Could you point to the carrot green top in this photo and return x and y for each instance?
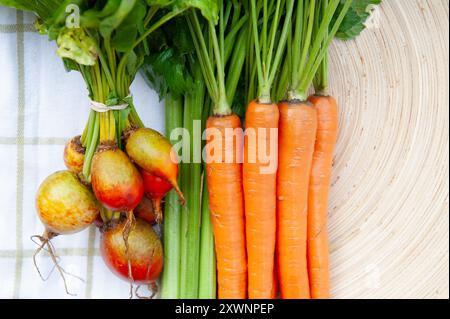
(267, 64)
(314, 28)
(213, 50)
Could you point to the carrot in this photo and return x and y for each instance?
(227, 211)
(260, 199)
(297, 131)
(318, 256)
(260, 176)
(312, 32)
(223, 161)
(327, 127)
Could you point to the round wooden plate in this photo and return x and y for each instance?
(389, 220)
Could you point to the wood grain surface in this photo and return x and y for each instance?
(389, 220)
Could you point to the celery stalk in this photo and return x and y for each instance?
(172, 213)
(190, 254)
(207, 280)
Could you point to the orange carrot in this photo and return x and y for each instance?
(260, 197)
(260, 176)
(312, 32)
(227, 209)
(318, 255)
(297, 132)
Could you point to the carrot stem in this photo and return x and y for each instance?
(222, 107)
(231, 36)
(266, 67)
(321, 79)
(282, 41)
(273, 33)
(257, 50)
(236, 64)
(315, 65)
(296, 42)
(202, 54)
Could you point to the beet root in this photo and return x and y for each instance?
(74, 155)
(141, 258)
(156, 188)
(145, 210)
(116, 182)
(153, 153)
(65, 205)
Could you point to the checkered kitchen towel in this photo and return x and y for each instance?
(41, 106)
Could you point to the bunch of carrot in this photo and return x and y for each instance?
(270, 219)
(267, 188)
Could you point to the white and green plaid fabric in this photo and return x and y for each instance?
(41, 106)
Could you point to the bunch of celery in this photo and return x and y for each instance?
(175, 71)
